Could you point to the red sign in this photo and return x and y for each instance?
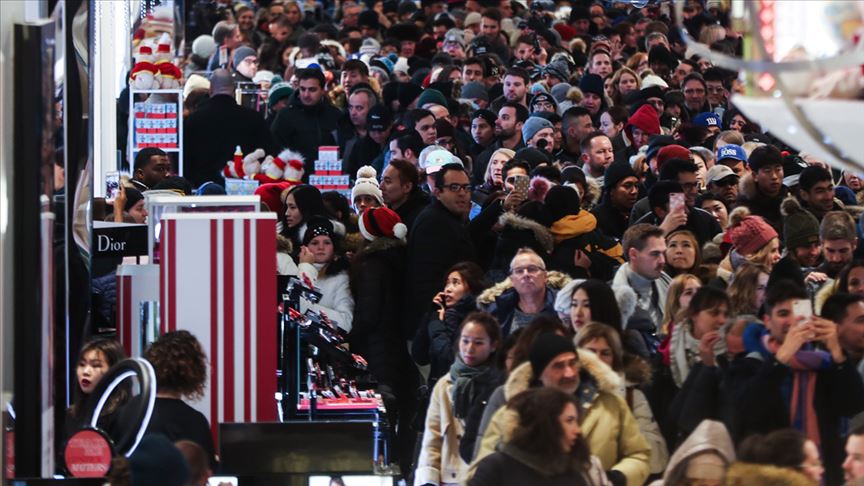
(88, 455)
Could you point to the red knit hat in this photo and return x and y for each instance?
(645, 119)
(670, 152)
(377, 222)
(751, 234)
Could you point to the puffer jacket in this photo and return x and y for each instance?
(746, 474)
(607, 424)
(501, 299)
(579, 232)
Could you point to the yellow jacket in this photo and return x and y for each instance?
(608, 425)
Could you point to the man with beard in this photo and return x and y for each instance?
(508, 133)
(839, 240)
(597, 155)
(515, 84)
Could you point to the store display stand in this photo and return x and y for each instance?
(157, 125)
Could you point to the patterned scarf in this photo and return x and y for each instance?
(805, 365)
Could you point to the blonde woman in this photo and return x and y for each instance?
(624, 82)
(753, 240)
(680, 292)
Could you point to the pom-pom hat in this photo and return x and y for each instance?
(367, 185)
(380, 222)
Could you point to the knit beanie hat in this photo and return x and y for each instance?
(157, 461)
(318, 226)
(431, 96)
(558, 69)
(204, 46)
(407, 93)
(615, 173)
(545, 348)
(132, 198)
(380, 222)
(800, 227)
(386, 63)
(561, 201)
(544, 96)
(443, 128)
(533, 125)
(241, 53)
(592, 83)
(749, 233)
(559, 91)
(532, 156)
(670, 152)
(645, 119)
(367, 185)
(486, 115)
(475, 90)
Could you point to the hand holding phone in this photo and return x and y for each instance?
(520, 184)
(802, 309)
(676, 202)
(112, 185)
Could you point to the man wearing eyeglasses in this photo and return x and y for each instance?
(438, 239)
(531, 293)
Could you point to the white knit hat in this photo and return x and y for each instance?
(367, 185)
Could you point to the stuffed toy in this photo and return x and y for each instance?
(288, 166)
(169, 73)
(244, 167)
(145, 74)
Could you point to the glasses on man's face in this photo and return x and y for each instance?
(458, 187)
(529, 269)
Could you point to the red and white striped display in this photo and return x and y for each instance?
(218, 281)
(135, 284)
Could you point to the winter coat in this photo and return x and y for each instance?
(579, 232)
(709, 436)
(438, 240)
(433, 343)
(649, 307)
(611, 222)
(336, 299)
(212, 133)
(440, 459)
(512, 466)
(606, 421)
(376, 282)
(746, 474)
(516, 232)
(410, 209)
(699, 222)
(761, 205)
(305, 128)
(636, 374)
(501, 300)
(758, 385)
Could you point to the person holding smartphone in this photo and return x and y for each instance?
(794, 373)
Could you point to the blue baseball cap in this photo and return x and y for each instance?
(731, 151)
(707, 119)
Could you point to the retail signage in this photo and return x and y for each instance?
(119, 239)
(88, 454)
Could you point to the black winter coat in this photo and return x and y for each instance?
(212, 134)
(438, 240)
(305, 128)
(434, 342)
(410, 209)
(376, 283)
(756, 388)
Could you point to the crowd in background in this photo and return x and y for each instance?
(566, 256)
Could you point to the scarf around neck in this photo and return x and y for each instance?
(467, 384)
(805, 365)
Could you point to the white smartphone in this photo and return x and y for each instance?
(222, 481)
(112, 185)
(803, 310)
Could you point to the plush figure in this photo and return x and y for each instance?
(169, 73)
(145, 74)
(244, 167)
(288, 165)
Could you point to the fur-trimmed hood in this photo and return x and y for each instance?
(541, 233)
(554, 280)
(605, 378)
(636, 370)
(379, 244)
(593, 191)
(743, 473)
(747, 189)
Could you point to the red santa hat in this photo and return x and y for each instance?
(271, 195)
(143, 66)
(377, 222)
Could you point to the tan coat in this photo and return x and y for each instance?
(609, 427)
(440, 462)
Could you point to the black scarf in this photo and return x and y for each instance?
(468, 384)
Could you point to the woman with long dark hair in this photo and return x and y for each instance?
(96, 357)
(545, 448)
(699, 337)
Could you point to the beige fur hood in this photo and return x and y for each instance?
(555, 280)
(607, 380)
